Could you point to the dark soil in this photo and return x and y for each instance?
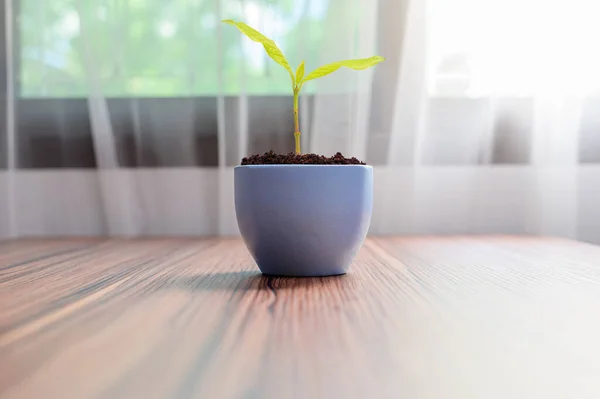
(270, 158)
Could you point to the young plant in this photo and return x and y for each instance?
(298, 79)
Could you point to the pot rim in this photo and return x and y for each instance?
(289, 166)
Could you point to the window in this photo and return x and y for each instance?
(141, 48)
(514, 47)
(160, 65)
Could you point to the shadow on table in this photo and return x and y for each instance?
(252, 281)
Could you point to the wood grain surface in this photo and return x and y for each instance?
(487, 317)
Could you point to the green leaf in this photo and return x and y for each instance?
(270, 47)
(362, 63)
(300, 72)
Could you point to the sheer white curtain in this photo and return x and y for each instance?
(483, 119)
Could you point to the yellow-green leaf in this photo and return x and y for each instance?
(270, 47)
(300, 72)
(362, 63)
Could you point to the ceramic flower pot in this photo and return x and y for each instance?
(303, 220)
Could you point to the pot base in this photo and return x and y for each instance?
(302, 276)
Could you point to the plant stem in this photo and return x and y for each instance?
(296, 124)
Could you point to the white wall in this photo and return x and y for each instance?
(191, 202)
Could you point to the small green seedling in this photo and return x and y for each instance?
(298, 79)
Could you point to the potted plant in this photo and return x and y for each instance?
(303, 214)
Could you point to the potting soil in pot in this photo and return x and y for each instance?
(303, 159)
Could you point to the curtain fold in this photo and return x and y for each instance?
(126, 118)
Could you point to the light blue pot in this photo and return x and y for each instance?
(303, 220)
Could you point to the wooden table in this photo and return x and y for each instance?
(492, 317)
